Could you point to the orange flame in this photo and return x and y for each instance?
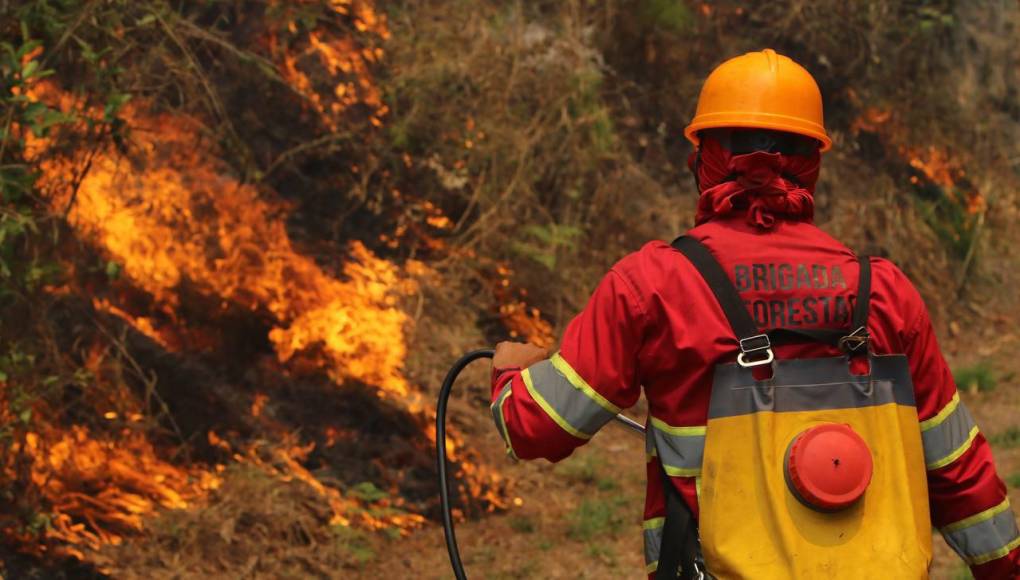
(948, 173)
(342, 59)
(100, 490)
(172, 215)
(285, 462)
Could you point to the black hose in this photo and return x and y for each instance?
(444, 484)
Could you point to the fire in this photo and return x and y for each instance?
(144, 324)
(932, 165)
(872, 119)
(521, 320)
(341, 57)
(167, 211)
(172, 215)
(286, 460)
(525, 322)
(938, 167)
(100, 490)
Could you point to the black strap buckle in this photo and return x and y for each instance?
(853, 342)
(753, 345)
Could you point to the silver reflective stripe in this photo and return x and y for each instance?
(985, 536)
(947, 435)
(497, 416)
(680, 449)
(810, 385)
(573, 409)
(653, 539)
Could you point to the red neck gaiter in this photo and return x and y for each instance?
(766, 185)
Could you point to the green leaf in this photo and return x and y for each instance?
(29, 70)
(367, 491)
(25, 416)
(114, 103)
(27, 47)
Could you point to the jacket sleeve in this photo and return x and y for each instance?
(968, 501)
(556, 405)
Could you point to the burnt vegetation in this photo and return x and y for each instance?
(240, 241)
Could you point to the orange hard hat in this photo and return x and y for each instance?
(761, 90)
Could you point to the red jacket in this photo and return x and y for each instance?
(653, 323)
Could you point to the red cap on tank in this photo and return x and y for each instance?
(828, 466)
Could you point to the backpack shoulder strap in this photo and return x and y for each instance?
(755, 347)
(680, 550)
(859, 338)
(757, 344)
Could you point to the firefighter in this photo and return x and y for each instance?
(799, 408)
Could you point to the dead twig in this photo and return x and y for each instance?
(148, 378)
(304, 147)
(962, 278)
(211, 94)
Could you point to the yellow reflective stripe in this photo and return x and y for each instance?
(679, 449)
(683, 431)
(977, 518)
(939, 418)
(649, 455)
(957, 452)
(502, 421)
(995, 555)
(652, 567)
(582, 385)
(526, 375)
(682, 471)
(653, 523)
(697, 488)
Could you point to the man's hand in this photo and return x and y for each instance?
(517, 354)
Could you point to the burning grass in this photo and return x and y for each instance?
(255, 524)
(100, 490)
(189, 249)
(172, 218)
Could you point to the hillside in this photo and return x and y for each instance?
(241, 242)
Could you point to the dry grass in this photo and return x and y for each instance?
(255, 526)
